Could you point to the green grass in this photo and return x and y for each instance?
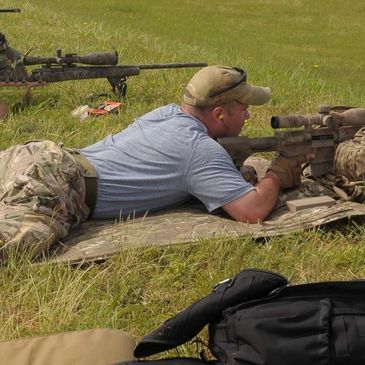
(309, 52)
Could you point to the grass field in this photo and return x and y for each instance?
(309, 53)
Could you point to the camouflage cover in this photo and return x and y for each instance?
(349, 159)
(96, 240)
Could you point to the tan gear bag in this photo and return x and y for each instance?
(349, 159)
(99, 346)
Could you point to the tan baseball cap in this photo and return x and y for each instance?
(216, 85)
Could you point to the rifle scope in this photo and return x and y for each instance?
(97, 58)
(295, 121)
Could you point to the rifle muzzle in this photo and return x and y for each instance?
(10, 10)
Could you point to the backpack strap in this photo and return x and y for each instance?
(247, 285)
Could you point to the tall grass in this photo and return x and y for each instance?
(138, 289)
(309, 52)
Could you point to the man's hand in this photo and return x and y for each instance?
(288, 170)
(249, 174)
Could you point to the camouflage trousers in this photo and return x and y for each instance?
(42, 196)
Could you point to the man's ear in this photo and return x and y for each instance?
(218, 113)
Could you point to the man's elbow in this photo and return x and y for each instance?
(251, 217)
(251, 207)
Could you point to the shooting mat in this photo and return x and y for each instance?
(95, 240)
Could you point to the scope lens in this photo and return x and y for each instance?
(275, 122)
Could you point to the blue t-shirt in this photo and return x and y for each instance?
(160, 160)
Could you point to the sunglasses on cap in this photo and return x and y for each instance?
(243, 78)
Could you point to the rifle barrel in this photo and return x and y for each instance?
(235, 145)
(11, 10)
(156, 66)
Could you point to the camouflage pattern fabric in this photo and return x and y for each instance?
(8, 57)
(349, 169)
(42, 196)
(188, 223)
(9, 69)
(350, 157)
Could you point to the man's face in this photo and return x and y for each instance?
(237, 114)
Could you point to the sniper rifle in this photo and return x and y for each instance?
(319, 135)
(75, 67)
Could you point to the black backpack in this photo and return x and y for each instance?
(256, 318)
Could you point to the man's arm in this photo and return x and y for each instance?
(256, 204)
